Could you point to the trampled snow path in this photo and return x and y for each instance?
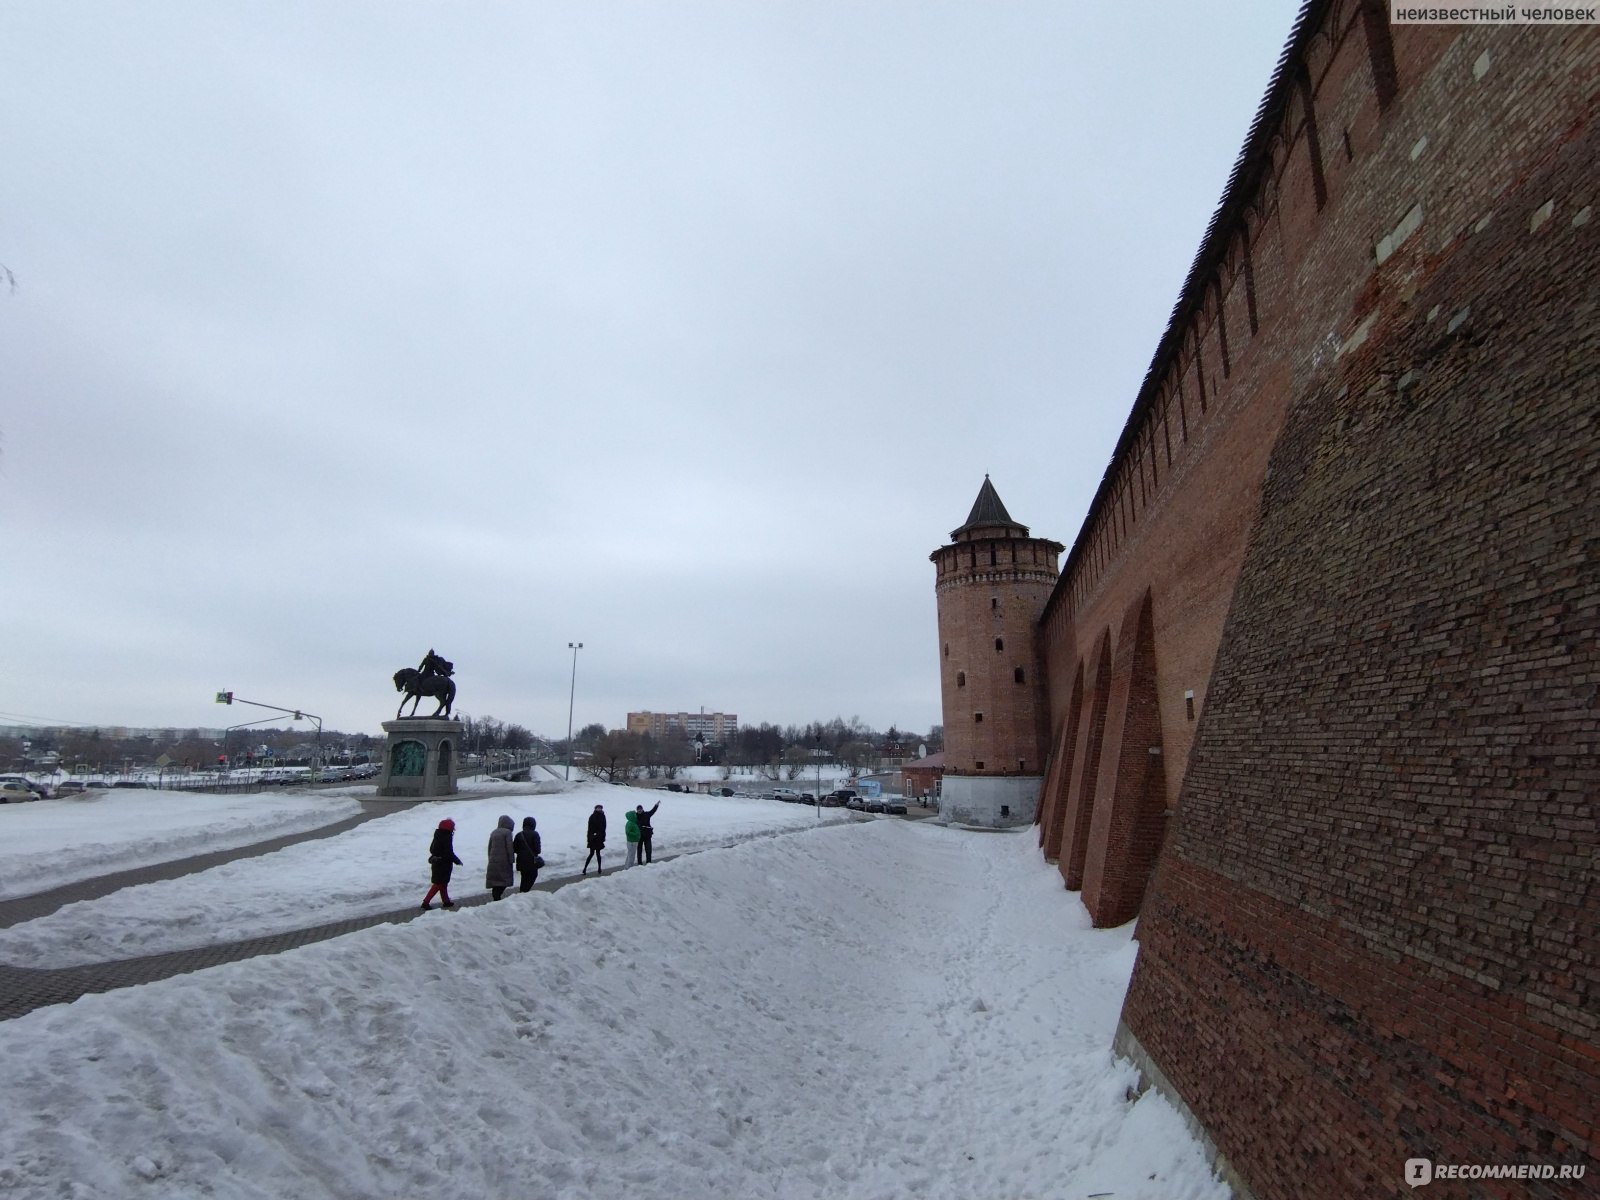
(880, 1010)
(377, 867)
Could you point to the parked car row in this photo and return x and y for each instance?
(840, 798)
(348, 774)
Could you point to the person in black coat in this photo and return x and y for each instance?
(442, 860)
(597, 840)
(645, 832)
(527, 846)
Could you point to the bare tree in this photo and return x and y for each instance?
(616, 756)
(794, 761)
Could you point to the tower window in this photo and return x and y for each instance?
(980, 764)
(977, 718)
(999, 643)
(1019, 675)
(994, 601)
(947, 649)
(961, 679)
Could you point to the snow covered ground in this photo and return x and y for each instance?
(50, 843)
(876, 1008)
(378, 867)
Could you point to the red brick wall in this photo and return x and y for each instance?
(1373, 931)
(982, 603)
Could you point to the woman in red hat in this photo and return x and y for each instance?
(442, 858)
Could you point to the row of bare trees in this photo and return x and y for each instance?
(768, 751)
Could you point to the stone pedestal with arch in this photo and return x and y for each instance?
(419, 760)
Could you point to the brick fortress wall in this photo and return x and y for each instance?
(1352, 513)
(991, 583)
(987, 614)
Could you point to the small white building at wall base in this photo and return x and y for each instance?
(992, 802)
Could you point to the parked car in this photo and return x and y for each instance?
(876, 805)
(843, 795)
(12, 792)
(132, 783)
(40, 791)
(787, 795)
(71, 787)
(726, 791)
(856, 802)
(896, 807)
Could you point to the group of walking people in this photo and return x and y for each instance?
(636, 831)
(522, 852)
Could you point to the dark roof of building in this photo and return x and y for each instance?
(988, 509)
(932, 762)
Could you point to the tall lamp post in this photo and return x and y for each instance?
(298, 714)
(816, 754)
(571, 695)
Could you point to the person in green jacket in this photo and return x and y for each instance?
(630, 829)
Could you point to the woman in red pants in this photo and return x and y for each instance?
(442, 858)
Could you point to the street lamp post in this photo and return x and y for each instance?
(571, 696)
(297, 713)
(816, 754)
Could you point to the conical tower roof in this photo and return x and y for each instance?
(989, 512)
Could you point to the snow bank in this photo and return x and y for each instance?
(877, 1009)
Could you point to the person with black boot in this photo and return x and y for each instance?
(527, 846)
(597, 840)
(645, 832)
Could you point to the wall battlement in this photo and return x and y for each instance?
(1322, 660)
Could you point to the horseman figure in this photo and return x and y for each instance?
(432, 678)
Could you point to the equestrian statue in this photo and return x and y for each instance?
(432, 678)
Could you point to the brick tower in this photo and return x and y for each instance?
(993, 581)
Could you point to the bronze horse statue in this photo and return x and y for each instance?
(416, 685)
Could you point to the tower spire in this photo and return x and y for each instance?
(989, 512)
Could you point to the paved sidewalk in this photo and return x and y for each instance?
(41, 904)
(23, 989)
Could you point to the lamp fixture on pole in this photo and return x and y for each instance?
(299, 714)
(571, 695)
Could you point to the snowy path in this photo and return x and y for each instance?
(880, 1010)
(378, 867)
(50, 843)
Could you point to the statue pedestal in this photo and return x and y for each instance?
(419, 760)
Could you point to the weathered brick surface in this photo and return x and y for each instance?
(990, 590)
(1358, 490)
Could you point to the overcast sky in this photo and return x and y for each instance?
(686, 330)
